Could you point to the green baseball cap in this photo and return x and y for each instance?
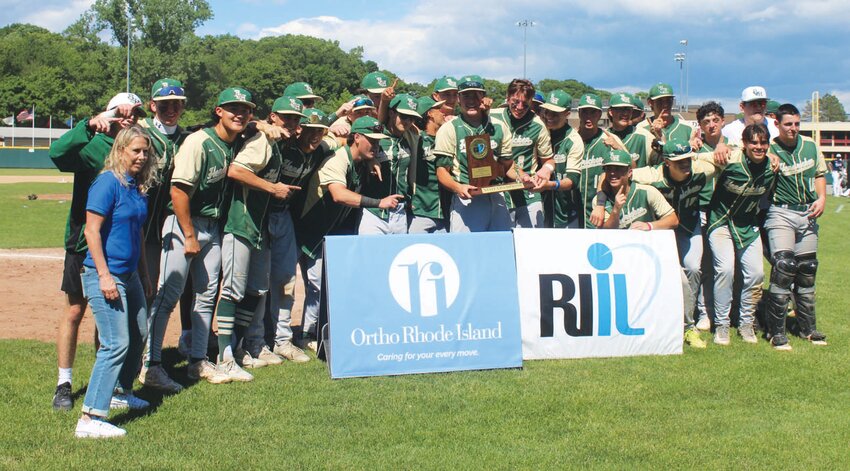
(362, 102)
(405, 104)
(288, 105)
(469, 83)
(772, 106)
(375, 82)
(617, 157)
(369, 127)
(314, 118)
(621, 100)
(677, 149)
(638, 103)
(445, 83)
(168, 89)
(235, 95)
(426, 104)
(301, 90)
(660, 90)
(590, 100)
(557, 101)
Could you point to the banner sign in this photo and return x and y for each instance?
(421, 303)
(598, 293)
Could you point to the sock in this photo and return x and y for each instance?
(64, 376)
(224, 314)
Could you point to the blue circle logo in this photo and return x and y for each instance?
(600, 256)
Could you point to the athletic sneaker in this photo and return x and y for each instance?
(291, 352)
(128, 401)
(62, 397)
(155, 377)
(184, 345)
(704, 323)
(816, 338)
(209, 372)
(308, 342)
(693, 339)
(780, 342)
(748, 335)
(96, 427)
(269, 357)
(721, 335)
(246, 360)
(234, 372)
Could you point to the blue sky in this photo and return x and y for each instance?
(792, 48)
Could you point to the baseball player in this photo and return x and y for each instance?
(637, 139)
(424, 191)
(561, 204)
(663, 124)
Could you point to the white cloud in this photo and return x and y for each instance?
(51, 14)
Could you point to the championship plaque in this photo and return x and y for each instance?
(484, 171)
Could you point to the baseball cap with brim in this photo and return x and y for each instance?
(375, 82)
(445, 83)
(426, 103)
(469, 83)
(369, 127)
(362, 102)
(660, 90)
(590, 100)
(405, 104)
(638, 103)
(677, 149)
(772, 106)
(618, 158)
(288, 105)
(538, 98)
(235, 95)
(125, 98)
(301, 90)
(314, 118)
(621, 100)
(168, 89)
(753, 94)
(557, 101)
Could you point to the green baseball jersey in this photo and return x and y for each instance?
(683, 196)
(643, 203)
(320, 215)
(164, 148)
(247, 215)
(706, 154)
(425, 189)
(530, 143)
(736, 197)
(201, 164)
(395, 157)
(676, 129)
(568, 152)
(297, 168)
(82, 152)
(798, 168)
(638, 142)
(450, 145)
(586, 177)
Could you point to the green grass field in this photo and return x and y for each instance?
(738, 407)
(37, 223)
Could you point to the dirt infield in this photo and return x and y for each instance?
(29, 286)
(69, 178)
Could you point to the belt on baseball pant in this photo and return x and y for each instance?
(793, 207)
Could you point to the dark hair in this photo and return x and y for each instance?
(709, 108)
(521, 85)
(786, 109)
(755, 130)
(350, 139)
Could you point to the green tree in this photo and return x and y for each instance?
(831, 109)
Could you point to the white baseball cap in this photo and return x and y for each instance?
(126, 99)
(753, 94)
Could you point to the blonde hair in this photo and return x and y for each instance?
(115, 161)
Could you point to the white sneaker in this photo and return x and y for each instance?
(205, 370)
(155, 377)
(747, 333)
(245, 360)
(704, 323)
(184, 345)
(269, 357)
(234, 372)
(95, 427)
(291, 352)
(128, 401)
(721, 335)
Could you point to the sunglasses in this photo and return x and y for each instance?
(467, 85)
(364, 102)
(171, 91)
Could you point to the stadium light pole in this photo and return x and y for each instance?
(524, 24)
(684, 42)
(680, 58)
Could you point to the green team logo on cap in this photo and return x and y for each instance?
(618, 157)
(411, 103)
(381, 81)
(295, 104)
(451, 82)
(240, 95)
(676, 149)
(589, 100)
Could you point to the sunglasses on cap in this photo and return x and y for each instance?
(364, 102)
(171, 91)
(468, 85)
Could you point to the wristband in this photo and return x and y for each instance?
(650, 225)
(366, 202)
(601, 198)
(557, 185)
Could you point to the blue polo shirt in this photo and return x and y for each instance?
(124, 210)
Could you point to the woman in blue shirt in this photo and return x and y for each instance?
(115, 212)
